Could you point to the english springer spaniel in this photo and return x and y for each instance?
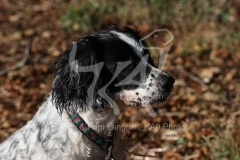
(94, 79)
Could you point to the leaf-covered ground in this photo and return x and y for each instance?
(200, 119)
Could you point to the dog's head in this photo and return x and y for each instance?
(108, 65)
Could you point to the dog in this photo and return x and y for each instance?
(94, 79)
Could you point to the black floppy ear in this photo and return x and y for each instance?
(78, 74)
(69, 86)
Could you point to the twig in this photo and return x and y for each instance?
(230, 121)
(196, 79)
(193, 77)
(194, 156)
(170, 114)
(163, 149)
(20, 64)
(38, 60)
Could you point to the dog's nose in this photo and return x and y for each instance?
(166, 80)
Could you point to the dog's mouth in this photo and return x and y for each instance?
(149, 99)
(161, 98)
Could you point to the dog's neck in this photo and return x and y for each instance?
(59, 131)
(101, 122)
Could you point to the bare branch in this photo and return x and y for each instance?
(20, 64)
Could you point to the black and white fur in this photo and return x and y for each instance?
(52, 135)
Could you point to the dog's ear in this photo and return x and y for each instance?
(76, 77)
(70, 85)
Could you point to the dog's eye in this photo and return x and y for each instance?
(137, 77)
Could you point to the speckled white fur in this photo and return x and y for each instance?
(51, 137)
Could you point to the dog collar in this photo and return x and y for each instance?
(90, 133)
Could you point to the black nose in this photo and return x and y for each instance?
(166, 80)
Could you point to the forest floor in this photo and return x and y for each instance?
(199, 120)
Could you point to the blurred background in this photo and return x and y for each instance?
(200, 119)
